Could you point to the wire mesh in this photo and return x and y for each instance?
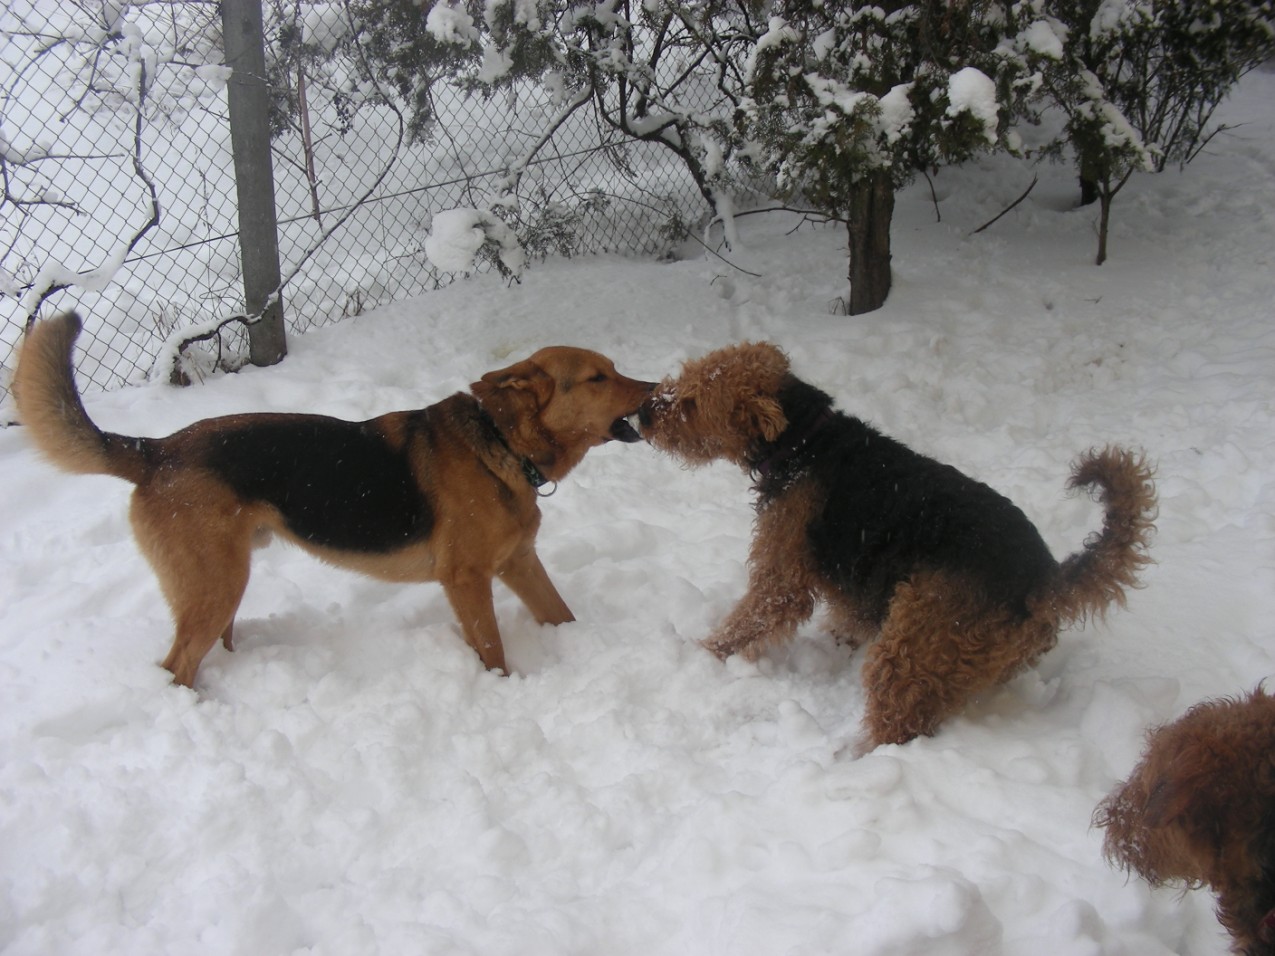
(112, 116)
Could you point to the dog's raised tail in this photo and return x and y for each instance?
(49, 406)
(1099, 575)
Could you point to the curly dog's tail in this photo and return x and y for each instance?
(49, 405)
(1098, 575)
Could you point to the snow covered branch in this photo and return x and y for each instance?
(86, 71)
(53, 276)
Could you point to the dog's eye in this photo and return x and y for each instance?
(600, 377)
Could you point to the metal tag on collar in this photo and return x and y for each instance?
(536, 478)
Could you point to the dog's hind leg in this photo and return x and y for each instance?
(202, 619)
(527, 578)
(199, 544)
(261, 537)
(939, 646)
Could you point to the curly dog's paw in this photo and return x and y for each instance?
(720, 646)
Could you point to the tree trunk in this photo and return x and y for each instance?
(1089, 170)
(1104, 220)
(1089, 192)
(871, 210)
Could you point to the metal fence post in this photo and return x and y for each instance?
(249, 103)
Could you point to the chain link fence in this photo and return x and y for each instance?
(119, 184)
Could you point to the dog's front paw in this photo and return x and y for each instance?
(721, 647)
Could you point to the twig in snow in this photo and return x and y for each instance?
(1007, 208)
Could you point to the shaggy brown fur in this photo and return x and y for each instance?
(953, 580)
(1200, 808)
(445, 493)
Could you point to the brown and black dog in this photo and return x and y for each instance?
(1200, 809)
(445, 493)
(951, 579)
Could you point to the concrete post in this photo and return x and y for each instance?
(249, 103)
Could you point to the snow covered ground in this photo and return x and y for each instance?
(351, 781)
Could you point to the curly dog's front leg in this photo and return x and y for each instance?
(781, 584)
(764, 617)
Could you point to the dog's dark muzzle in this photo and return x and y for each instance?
(622, 428)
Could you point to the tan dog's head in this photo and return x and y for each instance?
(1200, 808)
(556, 405)
(720, 405)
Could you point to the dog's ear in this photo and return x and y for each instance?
(515, 395)
(766, 417)
(525, 377)
(1188, 790)
(1168, 801)
(772, 358)
(521, 376)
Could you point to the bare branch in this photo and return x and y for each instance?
(934, 197)
(139, 170)
(714, 252)
(1003, 212)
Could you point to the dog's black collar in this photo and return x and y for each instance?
(535, 477)
(794, 438)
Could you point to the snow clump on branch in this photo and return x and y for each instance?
(970, 90)
(451, 24)
(458, 237)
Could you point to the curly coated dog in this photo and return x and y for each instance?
(1200, 808)
(955, 582)
(445, 493)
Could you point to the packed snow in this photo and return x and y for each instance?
(350, 780)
